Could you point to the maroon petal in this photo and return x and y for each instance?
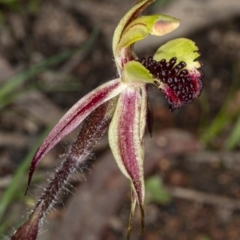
(74, 117)
(126, 138)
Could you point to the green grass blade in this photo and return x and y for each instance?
(21, 173)
(234, 137)
(224, 117)
(216, 126)
(6, 91)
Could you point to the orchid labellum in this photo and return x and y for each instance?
(121, 105)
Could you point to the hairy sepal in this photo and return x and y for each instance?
(75, 116)
(126, 133)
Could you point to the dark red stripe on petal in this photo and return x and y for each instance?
(126, 136)
(127, 143)
(74, 117)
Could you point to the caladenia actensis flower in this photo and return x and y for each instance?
(121, 106)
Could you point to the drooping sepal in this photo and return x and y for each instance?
(132, 211)
(134, 199)
(75, 116)
(126, 137)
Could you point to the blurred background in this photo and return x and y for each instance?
(53, 52)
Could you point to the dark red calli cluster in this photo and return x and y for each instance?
(180, 86)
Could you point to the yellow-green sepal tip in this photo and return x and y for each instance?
(141, 27)
(132, 14)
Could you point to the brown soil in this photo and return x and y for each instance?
(209, 210)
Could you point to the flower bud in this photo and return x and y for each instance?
(29, 230)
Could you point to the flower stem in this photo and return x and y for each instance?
(90, 133)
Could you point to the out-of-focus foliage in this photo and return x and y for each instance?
(227, 121)
(155, 191)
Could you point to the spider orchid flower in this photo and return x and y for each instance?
(121, 105)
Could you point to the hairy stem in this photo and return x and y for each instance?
(90, 133)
